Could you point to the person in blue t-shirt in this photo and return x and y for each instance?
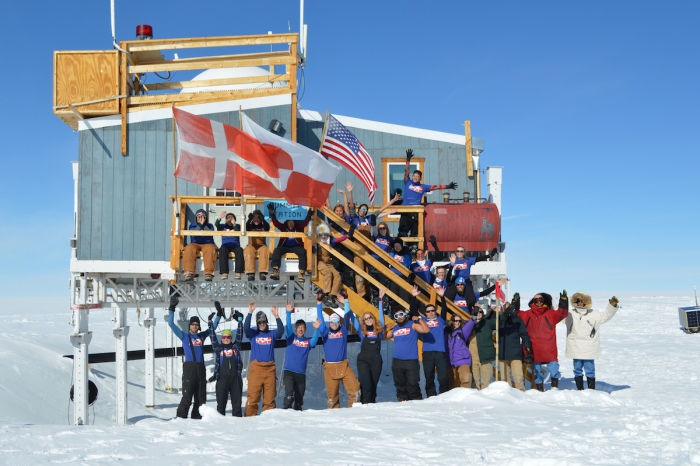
(405, 365)
(335, 346)
(421, 267)
(229, 244)
(194, 377)
(296, 358)
(434, 357)
(205, 244)
(460, 267)
(262, 373)
(413, 192)
(289, 245)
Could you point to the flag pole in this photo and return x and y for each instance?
(240, 120)
(174, 149)
(325, 128)
(498, 366)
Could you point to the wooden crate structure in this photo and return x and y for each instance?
(85, 84)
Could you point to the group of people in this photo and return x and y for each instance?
(458, 352)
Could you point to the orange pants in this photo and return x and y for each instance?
(262, 378)
(263, 258)
(331, 278)
(335, 373)
(189, 257)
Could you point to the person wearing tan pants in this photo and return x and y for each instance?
(197, 244)
(514, 369)
(335, 346)
(262, 376)
(479, 371)
(257, 246)
(332, 284)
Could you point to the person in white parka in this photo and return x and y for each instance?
(583, 336)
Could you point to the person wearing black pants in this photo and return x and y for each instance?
(405, 365)
(229, 382)
(194, 378)
(369, 359)
(229, 244)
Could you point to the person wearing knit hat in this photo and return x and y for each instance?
(229, 382)
(296, 359)
(583, 336)
(262, 373)
(257, 247)
(229, 244)
(194, 382)
(205, 244)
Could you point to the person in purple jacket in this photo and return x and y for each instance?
(335, 346)
(405, 365)
(296, 359)
(262, 373)
(434, 357)
(456, 341)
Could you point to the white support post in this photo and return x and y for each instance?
(121, 331)
(169, 361)
(494, 180)
(150, 322)
(80, 339)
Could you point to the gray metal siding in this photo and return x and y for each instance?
(124, 203)
(444, 162)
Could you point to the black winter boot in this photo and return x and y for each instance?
(539, 386)
(591, 383)
(579, 382)
(555, 383)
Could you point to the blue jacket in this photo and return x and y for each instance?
(196, 339)
(297, 355)
(202, 239)
(262, 344)
(225, 356)
(228, 241)
(335, 344)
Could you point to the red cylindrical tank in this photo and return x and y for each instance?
(477, 227)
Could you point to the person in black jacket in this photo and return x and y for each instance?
(512, 331)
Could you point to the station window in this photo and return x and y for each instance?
(227, 192)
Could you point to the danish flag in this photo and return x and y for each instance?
(254, 161)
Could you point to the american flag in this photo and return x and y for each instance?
(341, 145)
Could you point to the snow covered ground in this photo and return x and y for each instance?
(645, 410)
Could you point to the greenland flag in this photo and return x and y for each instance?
(254, 162)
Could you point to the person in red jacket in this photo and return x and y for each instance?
(540, 322)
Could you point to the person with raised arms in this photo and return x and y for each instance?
(194, 375)
(262, 376)
(296, 359)
(369, 359)
(228, 365)
(335, 346)
(405, 365)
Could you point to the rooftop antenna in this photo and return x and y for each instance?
(302, 34)
(114, 35)
(696, 296)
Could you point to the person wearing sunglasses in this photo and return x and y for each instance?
(335, 346)
(512, 338)
(404, 365)
(262, 372)
(369, 359)
(296, 359)
(540, 321)
(330, 277)
(434, 356)
(459, 358)
(228, 365)
(194, 377)
(205, 244)
(413, 192)
(460, 267)
(583, 336)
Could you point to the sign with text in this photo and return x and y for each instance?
(286, 211)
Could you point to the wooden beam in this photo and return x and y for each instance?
(76, 112)
(202, 96)
(216, 82)
(205, 42)
(222, 61)
(468, 148)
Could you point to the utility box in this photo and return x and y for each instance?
(690, 318)
(85, 76)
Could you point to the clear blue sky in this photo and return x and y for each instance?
(593, 109)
